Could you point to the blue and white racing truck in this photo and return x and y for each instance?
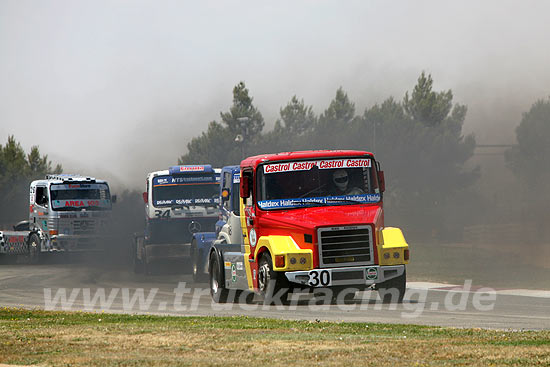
(228, 228)
(67, 213)
(179, 202)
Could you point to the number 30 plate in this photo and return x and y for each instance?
(320, 278)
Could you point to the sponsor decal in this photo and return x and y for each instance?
(371, 273)
(236, 178)
(233, 273)
(240, 266)
(191, 168)
(327, 200)
(184, 180)
(179, 170)
(81, 203)
(16, 239)
(73, 186)
(227, 265)
(163, 202)
(189, 202)
(323, 164)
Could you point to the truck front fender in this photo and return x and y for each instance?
(392, 247)
(295, 258)
(204, 240)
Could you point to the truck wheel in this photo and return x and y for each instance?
(217, 289)
(393, 290)
(34, 249)
(196, 258)
(271, 283)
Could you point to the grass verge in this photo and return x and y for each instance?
(92, 339)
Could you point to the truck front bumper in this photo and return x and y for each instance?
(357, 275)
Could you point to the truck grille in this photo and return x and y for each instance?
(345, 246)
(84, 226)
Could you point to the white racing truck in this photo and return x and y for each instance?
(179, 202)
(67, 213)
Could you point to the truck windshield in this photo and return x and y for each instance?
(186, 190)
(77, 196)
(315, 183)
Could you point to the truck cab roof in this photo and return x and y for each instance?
(194, 169)
(66, 178)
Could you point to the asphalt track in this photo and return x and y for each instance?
(118, 290)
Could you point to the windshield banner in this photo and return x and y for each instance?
(324, 164)
(325, 200)
(79, 186)
(84, 203)
(183, 180)
(187, 202)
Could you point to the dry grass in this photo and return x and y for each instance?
(84, 339)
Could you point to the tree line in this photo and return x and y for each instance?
(418, 138)
(17, 170)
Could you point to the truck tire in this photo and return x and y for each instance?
(197, 264)
(34, 249)
(217, 288)
(393, 290)
(271, 283)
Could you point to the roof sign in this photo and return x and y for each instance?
(175, 170)
(322, 164)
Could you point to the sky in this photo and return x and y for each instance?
(117, 89)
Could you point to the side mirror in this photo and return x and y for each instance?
(225, 194)
(381, 181)
(245, 186)
(145, 198)
(113, 199)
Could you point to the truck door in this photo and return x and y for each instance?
(247, 225)
(39, 216)
(231, 209)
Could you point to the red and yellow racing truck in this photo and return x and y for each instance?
(310, 219)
